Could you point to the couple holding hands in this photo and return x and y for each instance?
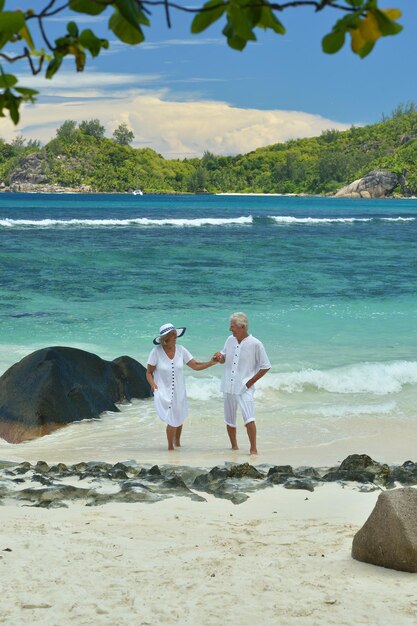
(245, 361)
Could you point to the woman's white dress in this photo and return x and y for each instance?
(170, 397)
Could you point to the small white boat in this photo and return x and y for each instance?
(138, 192)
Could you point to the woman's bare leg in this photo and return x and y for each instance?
(177, 438)
(170, 436)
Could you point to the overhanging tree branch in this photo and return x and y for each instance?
(363, 21)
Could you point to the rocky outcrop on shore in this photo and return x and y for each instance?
(96, 483)
(31, 176)
(58, 385)
(376, 184)
(25, 187)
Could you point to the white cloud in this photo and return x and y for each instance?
(175, 128)
(152, 45)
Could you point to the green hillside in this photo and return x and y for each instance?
(77, 156)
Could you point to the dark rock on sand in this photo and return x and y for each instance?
(303, 478)
(405, 474)
(359, 468)
(56, 386)
(389, 536)
(98, 482)
(299, 483)
(349, 475)
(230, 483)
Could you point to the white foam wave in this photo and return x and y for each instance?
(398, 219)
(362, 378)
(288, 219)
(139, 221)
(374, 378)
(203, 388)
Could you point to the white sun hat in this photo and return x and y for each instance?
(167, 328)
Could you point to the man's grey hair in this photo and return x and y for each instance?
(240, 319)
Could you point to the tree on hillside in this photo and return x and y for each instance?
(123, 135)
(363, 21)
(92, 128)
(67, 130)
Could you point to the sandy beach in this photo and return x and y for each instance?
(282, 557)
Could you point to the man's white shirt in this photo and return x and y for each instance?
(242, 361)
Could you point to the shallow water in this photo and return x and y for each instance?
(329, 286)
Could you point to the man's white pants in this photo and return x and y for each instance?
(246, 403)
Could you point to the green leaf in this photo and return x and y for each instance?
(25, 34)
(269, 20)
(233, 40)
(86, 6)
(2, 3)
(124, 30)
(204, 19)
(7, 81)
(238, 19)
(72, 29)
(366, 49)
(131, 12)
(27, 93)
(80, 57)
(12, 103)
(92, 43)
(333, 42)
(54, 65)
(11, 21)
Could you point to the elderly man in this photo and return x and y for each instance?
(246, 362)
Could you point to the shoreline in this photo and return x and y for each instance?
(75, 191)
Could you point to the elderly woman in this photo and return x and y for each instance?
(165, 374)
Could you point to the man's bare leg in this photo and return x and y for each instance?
(232, 436)
(177, 438)
(251, 430)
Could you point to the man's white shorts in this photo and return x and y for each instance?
(246, 403)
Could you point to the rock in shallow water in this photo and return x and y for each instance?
(55, 386)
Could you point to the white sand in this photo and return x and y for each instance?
(281, 558)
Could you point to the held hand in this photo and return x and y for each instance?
(154, 388)
(218, 357)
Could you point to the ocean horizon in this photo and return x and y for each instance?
(328, 285)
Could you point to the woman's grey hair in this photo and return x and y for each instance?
(164, 338)
(240, 319)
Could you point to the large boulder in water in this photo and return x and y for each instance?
(55, 386)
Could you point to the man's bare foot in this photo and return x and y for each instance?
(171, 448)
(177, 444)
(254, 451)
(235, 448)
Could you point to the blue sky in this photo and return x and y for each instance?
(183, 94)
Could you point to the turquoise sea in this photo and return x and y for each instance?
(329, 286)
